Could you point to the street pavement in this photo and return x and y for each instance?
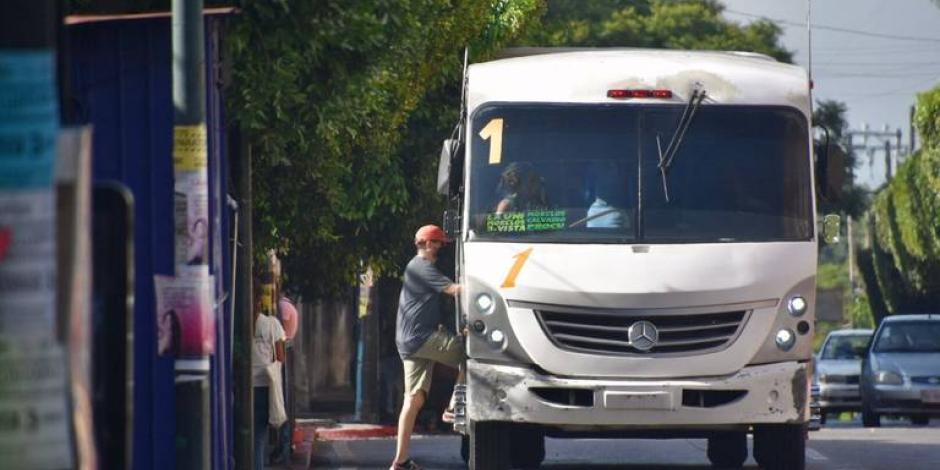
(838, 446)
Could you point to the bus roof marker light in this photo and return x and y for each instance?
(622, 94)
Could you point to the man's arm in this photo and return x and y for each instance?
(279, 353)
(453, 290)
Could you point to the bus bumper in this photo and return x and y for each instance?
(770, 393)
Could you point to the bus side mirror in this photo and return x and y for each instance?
(832, 225)
(450, 168)
(830, 169)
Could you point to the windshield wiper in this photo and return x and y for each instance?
(666, 157)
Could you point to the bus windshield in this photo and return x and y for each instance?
(590, 173)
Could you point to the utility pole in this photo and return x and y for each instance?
(910, 123)
(887, 160)
(190, 169)
(851, 256)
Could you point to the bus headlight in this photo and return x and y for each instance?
(796, 306)
(485, 304)
(497, 336)
(785, 339)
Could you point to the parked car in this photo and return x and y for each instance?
(838, 366)
(901, 372)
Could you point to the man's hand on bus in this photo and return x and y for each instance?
(453, 289)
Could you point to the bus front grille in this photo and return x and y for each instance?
(609, 334)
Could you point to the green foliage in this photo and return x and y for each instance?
(683, 24)
(329, 95)
(832, 276)
(906, 220)
(855, 199)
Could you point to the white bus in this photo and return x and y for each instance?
(637, 239)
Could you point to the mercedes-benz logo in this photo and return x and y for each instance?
(643, 335)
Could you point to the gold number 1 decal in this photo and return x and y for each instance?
(514, 271)
(494, 131)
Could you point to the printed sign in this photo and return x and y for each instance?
(191, 218)
(529, 221)
(28, 119)
(185, 317)
(189, 149)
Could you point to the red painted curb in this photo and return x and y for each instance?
(356, 433)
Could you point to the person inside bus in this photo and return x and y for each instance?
(601, 213)
(521, 189)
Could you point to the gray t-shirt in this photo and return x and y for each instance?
(419, 305)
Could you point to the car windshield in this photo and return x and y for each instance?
(845, 347)
(909, 336)
(577, 173)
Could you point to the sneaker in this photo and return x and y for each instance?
(406, 465)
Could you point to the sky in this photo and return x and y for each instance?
(873, 55)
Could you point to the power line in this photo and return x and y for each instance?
(838, 29)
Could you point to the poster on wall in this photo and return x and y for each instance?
(185, 318)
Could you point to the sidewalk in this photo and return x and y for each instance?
(307, 432)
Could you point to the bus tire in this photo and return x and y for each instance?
(528, 446)
(489, 446)
(727, 450)
(465, 448)
(781, 446)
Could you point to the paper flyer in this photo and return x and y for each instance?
(185, 316)
(191, 217)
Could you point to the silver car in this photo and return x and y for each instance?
(901, 373)
(838, 366)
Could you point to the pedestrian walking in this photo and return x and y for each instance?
(267, 348)
(420, 339)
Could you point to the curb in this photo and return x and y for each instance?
(355, 431)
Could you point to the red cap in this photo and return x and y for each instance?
(430, 232)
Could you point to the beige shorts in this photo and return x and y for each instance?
(440, 347)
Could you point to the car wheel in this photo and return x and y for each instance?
(528, 446)
(920, 420)
(728, 450)
(489, 446)
(870, 419)
(780, 446)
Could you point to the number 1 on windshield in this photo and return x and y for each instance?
(494, 133)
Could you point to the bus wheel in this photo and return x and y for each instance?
(489, 446)
(728, 450)
(528, 446)
(781, 446)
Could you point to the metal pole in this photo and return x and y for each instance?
(887, 161)
(910, 121)
(851, 242)
(190, 162)
(243, 319)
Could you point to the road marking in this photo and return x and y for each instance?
(813, 454)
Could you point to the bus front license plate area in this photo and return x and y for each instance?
(659, 400)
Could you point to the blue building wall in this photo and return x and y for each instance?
(120, 83)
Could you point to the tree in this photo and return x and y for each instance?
(327, 93)
(905, 225)
(682, 24)
(830, 114)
